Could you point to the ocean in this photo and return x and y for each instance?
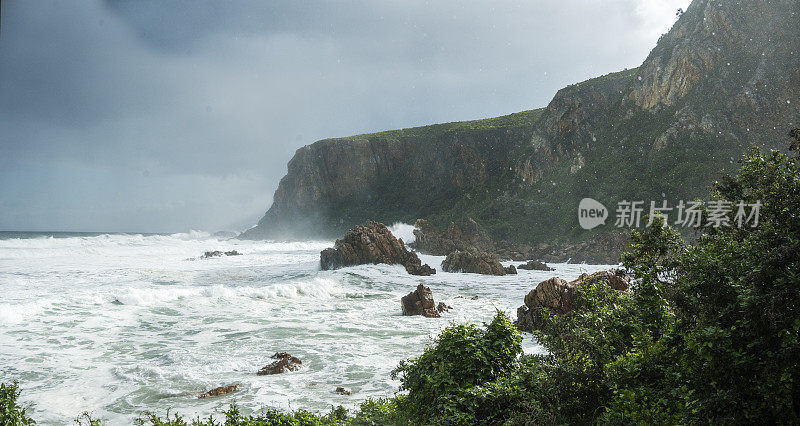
(121, 324)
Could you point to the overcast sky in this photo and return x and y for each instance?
(165, 116)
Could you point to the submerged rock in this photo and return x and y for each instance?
(222, 390)
(372, 243)
(217, 253)
(473, 262)
(559, 296)
(414, 266)
(442, 307)
(419, 302)
(283, 362)
(534, 265)
(342, 391)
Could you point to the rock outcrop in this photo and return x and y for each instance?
(419, 302)
(283, 362)
(534, 265)
(219, 391)
(372, 243)
(473, 262)
(559, 296)
(217, 253)
(342, 391)
(464, 235)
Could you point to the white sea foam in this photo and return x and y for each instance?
(118, 324)
(15, 313)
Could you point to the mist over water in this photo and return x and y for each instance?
(120, 324)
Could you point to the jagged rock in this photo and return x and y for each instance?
(414, 266)
(222, 390)
(419, 302)
(534, 265)
(372, 243)
(441, 307)
(559, 296)
(464, 235)
(615, 278)
(217, 253)
(510, 270)
(283, 362)
(473, 262)
(342, 391)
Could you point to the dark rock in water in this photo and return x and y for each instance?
(474, 298)
(420, 270)
(419, 302)
(441, 307)
(464, 235)
(473, 262)
(222, 390)
(558, 296)
(342, 391)
(283, 362)
(510, 270)
(372, 243)
(414, 265)
(217, 253)
(534, 265)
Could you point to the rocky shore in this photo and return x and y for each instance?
(466, 235)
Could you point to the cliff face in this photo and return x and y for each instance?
(726, 77)
(333, 184)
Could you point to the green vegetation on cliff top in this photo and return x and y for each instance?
(517, 120)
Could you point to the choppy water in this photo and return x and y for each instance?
(120, 324)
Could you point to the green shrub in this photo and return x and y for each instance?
(465, 377)
(11, 414)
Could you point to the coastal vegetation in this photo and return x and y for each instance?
(708, 333)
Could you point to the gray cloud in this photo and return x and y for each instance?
(163, 116)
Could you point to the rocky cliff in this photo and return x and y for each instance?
(725, 77)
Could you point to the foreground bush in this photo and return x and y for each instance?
(11, 414)
(467, 376)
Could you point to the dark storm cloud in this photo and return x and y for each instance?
(164, 115)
